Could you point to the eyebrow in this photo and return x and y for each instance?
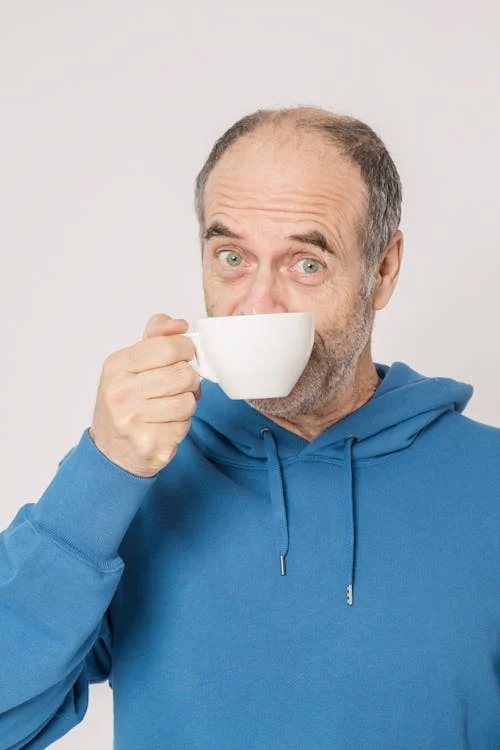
(315, 237)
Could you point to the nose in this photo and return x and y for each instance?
(262, 296)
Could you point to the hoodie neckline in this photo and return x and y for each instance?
(404, 404)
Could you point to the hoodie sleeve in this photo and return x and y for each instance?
(59, 570)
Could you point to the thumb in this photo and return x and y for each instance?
(161, 324)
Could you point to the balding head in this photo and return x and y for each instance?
(346, 136)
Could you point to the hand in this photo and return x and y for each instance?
(146, 397)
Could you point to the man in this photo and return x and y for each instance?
(153, 558)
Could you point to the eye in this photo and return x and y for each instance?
(230, 257)
(310, 266)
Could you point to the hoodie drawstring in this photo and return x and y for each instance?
(279, 507)
(277, 496)
(349, 498)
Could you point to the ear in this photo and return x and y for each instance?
(388, 271)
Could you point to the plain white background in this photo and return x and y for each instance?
(108, 110)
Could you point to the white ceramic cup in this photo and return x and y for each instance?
(253, 356)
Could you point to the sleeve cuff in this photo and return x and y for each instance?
(91, 501)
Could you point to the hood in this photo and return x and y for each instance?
(404, 404)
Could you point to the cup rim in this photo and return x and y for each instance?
(288, 315)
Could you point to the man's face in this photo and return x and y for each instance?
(294, 207)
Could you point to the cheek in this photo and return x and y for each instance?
(220, 297)
(332, 305)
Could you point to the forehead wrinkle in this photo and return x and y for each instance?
(321, 216)
(275, 210)
(236, 197)
(243, 198)
(312, 189)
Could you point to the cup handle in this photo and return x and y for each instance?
(200, 362)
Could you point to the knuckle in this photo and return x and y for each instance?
(118, 393)
(144, 444)
(114, 361)
(191, 403)
(109, 364)
(132, 356)
(195, 378)
(122, 424)
(169, 349)
(181, 429)
(180, 372)
(187, 403)
(191, 379)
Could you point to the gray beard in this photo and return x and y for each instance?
(331, 368)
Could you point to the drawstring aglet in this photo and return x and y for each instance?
(349, 593)
(283, 565)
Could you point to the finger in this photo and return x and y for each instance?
(157, 351)
(153, 321)
(166, 381)
(169, 409)
(161, 324)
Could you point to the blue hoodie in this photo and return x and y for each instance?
(266, 592)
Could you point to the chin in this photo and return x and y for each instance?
(297, 403)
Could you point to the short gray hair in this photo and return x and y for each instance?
(356, 141)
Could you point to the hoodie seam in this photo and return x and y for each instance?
(320, 459)
(111, 566)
